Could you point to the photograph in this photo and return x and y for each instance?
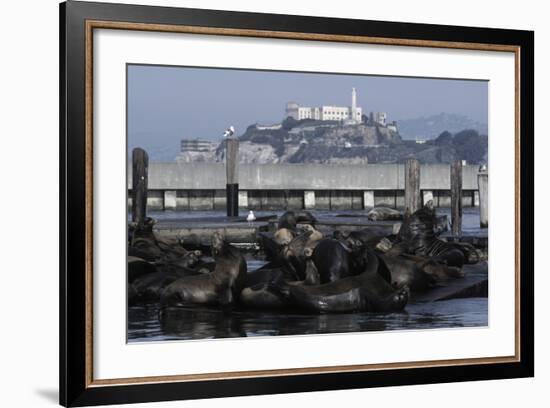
(287, 203)
(258, 203)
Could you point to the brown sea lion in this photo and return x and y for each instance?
(290, 219)
(262, 295)
(366, 292)
(314, 237)
(384, 214)
(218, 288)
(335, 260)
(283, 236)
(370, 236)
(138, 267)
(405, 271)
(418, 236)
(290, 257)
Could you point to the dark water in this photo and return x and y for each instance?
(146, 323)
(149, 323)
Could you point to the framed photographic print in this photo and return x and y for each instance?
(255, 203)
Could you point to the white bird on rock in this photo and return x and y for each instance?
(251, 217)
(229, 131)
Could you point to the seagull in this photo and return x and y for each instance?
(229, 131)
(251, 217)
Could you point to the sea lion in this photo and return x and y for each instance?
(314, 237)
(148, 288)
(218, 288)
(366, 292)
(283, 236)
(305, 217)
(370, 236)
(290, 257)
(190, 260)
(290, 219)
(312, 273)
(265, 275)
(417, 236)
(335, 260)
(384, 214)
(406, 271)
(143, 243)
(146, 245)
(138, 267)
(145, 230)
(262, 295)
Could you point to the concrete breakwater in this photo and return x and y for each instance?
(201, 186)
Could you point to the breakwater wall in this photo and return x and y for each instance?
(201, 186)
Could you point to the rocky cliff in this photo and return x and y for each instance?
(309, 141)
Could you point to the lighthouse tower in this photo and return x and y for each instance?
(353, 105)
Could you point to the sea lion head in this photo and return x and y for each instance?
(191, 259)
(305, 217)
(419, 225)
(307, 227)
(283, 236)
(355, 244)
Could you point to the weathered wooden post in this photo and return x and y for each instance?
(456, 197)
(412, 185)
(483, 187)
(232, 176)
(140, 167)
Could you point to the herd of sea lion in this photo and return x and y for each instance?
(306, 270)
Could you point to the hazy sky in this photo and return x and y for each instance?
(166, 104)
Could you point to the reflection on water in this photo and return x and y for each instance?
(149, 323)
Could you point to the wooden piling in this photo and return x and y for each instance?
(483, 187)
(140, 167)
(412, 185)
(232, 176)
(456, 197)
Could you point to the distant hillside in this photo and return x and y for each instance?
(309, 141)
(426, 128)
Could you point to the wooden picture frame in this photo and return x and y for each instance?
(78, 20)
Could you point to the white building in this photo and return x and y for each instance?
(351, 114)
(277, 126)
(392, 126)
(381, 118)
(197, 145)
(196, 150)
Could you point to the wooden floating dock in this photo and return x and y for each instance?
(346, 224)
(474, 284)
(197, 231)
